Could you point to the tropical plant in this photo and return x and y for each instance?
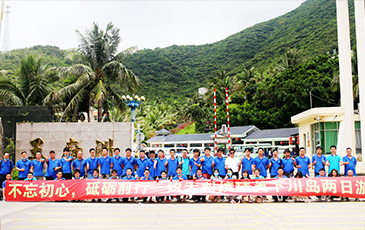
(32, 83)
(99, 71)
(290, 59)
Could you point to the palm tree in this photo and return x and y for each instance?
(220, 81)
(32, 83)
(291, 58)
(98, 68)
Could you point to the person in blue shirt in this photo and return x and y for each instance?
(66, 162)
(151, 163)
(96, 174)
(194, 163)
(6, 166)
(280, 176)
(92, 163)
(220, 162)
(199, 176)
(288, 163)
(118, 162)
(321, 173)
(128, 176)
(114, 176)
(37, 166)
(172, 164)
(303, 163)
(207, 163)
(160, 163)
(59, 176)
(106, 163)
(247, 162)
(163, 198)
(318, 161)
(142, 163)
(3, 184)
(146, 175)
(129, 162)
(216, 175)
(77, 175)
(275, 163)
(261, 162)
(349, 161)
(30, 177)
(80, 164)
(334, 161)
(179, 175)
(53, 165)
(184, 163)
(23, 166)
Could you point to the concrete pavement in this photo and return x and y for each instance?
(203, 216)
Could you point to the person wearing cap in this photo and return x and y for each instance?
(303, 163)
(318, 161)
(349, 162)
(288, 163)
(334, 161)
(261, 162)
(66, 162)
(207, 162)
(220, 162)
(233, 163)
(247, 162)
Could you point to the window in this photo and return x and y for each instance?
(358, 137)
(325, 134)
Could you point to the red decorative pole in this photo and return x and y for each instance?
(229, 131)
(215, 123)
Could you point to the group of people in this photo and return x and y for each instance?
(158, 167)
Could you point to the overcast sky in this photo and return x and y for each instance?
(145, 24)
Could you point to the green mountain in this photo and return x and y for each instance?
(180, 70)
(176, 72)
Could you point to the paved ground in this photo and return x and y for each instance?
(299, 216)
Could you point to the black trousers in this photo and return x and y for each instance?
(50, 178)
(67, 176)
(2, 179)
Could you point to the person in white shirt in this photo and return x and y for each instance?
(233, 163)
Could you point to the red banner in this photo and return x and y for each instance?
(93, 189)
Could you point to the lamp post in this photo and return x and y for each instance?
(133, 102)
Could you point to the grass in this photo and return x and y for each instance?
(187, 130)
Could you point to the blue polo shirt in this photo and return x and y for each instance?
(183, 177)
(23, 164)
(185, 166)
(4, 184)
(27, 179)
(37, 167)
(80, 164)
(151, 167)
(66, 165)
(129, 178)
(261, 164)
(304, 162)
(351, 166)
(93, 164)
(283, 176)
(319, 164)
(207, 165)
(129, 164)
(146, 178)
(160, 166)
(172, 166)
(334, 162)
(193, 166)
(219, 163)
(6, 166)
(321, 176)
(275, 164)
(117, 164)
(142, 165)
(105, 163)
(51, 165)
(113, 178)
(288, 165)
(61, 178)
(247, 165)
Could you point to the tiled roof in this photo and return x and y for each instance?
(273, 133)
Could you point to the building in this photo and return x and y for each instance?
(340, 126)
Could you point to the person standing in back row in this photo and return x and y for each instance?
(37, 166)
(92, 163)
(334, 161)
(233, 163)
(261, 162)
(6, 166)
(106, 164)
(349, 161)
(207, 161)
(23, 166)
(117, 162)
(318, 161)
(220, 163)
(172, 163)
(66, 162)
(53, 165)
(303, 162)
(275, 163)
(288, 163)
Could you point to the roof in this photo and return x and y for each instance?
(163, 131)
(273, 133)
(240, 129)
(181, 138)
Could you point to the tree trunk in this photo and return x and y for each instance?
(88, 109)
(100, 110)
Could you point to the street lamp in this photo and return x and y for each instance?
(133, 102)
